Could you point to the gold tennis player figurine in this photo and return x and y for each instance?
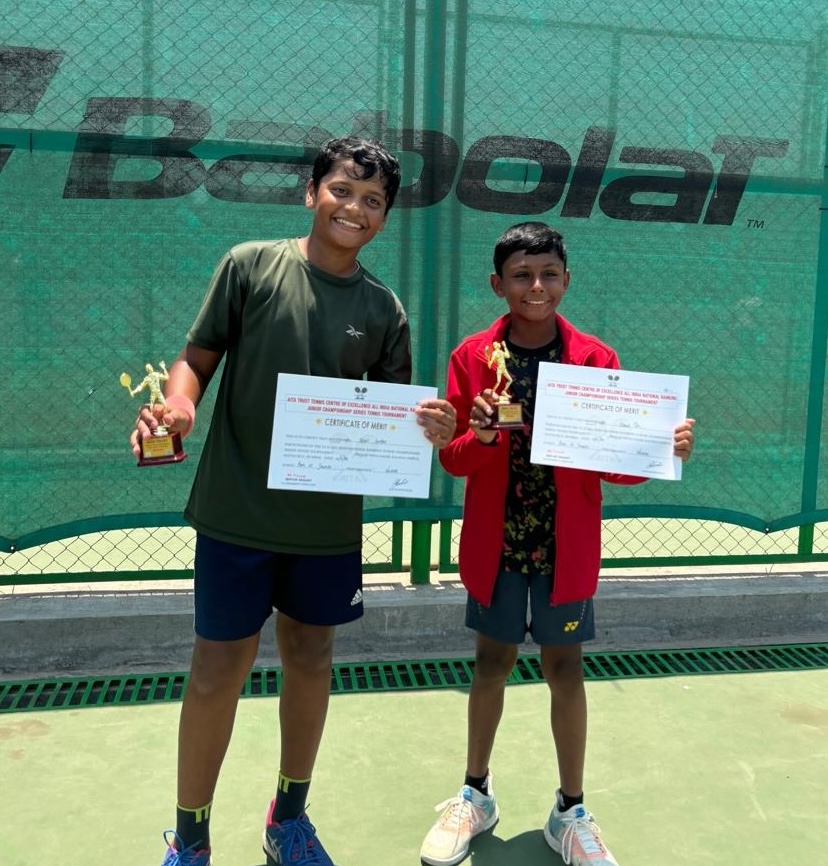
(509, 415)
(496, 356)
(152, 382)
(162, 446)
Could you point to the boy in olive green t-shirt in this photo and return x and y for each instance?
(303, 306)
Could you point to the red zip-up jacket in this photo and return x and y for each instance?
(486, 469)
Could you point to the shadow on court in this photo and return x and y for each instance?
(527, 849)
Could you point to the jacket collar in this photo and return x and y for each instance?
(498, 328)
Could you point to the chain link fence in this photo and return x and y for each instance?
(167, 552)
(680, 148)
(161, 552)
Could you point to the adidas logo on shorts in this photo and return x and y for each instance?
(357, 598)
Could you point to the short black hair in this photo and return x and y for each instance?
(370, 155)
(534, 237)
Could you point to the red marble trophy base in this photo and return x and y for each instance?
(508, 416)
(161, 448)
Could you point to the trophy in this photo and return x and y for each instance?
(508, 414)
(162, 446)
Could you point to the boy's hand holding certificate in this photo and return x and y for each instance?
(349, 436)
(608, 420)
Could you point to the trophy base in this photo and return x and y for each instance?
(161, 448)
(508, 416)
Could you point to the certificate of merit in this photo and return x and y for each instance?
(349, 436)
(608, 420)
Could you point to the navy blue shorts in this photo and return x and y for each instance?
(520, 605)
(237, 588)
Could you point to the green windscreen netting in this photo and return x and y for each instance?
(679, 147)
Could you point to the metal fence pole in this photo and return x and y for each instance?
(434, 72)
(421, 550)
(816, 389)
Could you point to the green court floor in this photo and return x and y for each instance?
(701, 770)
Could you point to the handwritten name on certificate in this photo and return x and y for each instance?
(349, 436)
(608, 420)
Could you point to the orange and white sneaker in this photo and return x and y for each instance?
(462, 818)
(575, 836)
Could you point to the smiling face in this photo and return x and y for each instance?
(532, 286)
(348, 211)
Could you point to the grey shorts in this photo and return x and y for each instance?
(520, 605)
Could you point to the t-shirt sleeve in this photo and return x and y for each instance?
(218, 323)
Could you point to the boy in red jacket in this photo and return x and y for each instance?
(531, 539)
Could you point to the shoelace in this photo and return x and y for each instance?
(185, 856)
(460, 808)
(586, 831)
(298, 840)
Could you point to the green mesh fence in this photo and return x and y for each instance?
(681, 149)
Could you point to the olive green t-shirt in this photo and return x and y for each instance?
(271, 311)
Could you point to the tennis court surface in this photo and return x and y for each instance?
(690, 768)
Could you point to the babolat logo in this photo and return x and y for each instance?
(684, 189)
(269, 162)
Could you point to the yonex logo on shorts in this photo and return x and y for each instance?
(357, 598)
(571, 626)
(351, 331)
